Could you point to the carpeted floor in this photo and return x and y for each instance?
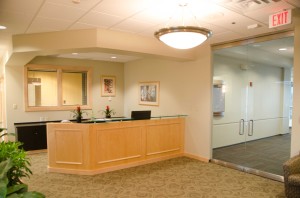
(180, 177)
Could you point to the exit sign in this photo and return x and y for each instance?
(280, 18)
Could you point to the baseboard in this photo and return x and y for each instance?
(111, 168)
(203, 159)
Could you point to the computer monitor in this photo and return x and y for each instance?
(140, 115)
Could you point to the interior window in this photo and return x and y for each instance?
(56, 88)
(42, 88)
(74, 86)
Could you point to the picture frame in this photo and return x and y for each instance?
(149, 93)
(108, 86)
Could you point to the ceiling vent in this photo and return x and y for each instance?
(247, 5)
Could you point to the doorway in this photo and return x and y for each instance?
(252, 106)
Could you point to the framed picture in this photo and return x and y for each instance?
(149, 93)
(108, 86)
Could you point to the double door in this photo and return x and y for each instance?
(256, 101)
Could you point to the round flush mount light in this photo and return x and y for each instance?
(2, 27)
(183, 37)
(282, 49)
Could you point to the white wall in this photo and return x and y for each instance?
(14, 95)
(185, 88)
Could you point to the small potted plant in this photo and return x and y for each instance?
(78, 114)
(108, 112)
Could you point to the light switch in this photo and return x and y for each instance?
(15, 106)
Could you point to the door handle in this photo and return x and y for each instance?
(250, 128)
(242, 127)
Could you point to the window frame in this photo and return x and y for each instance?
(59, 70)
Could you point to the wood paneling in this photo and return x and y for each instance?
(65, 139)
(118, 144)
(95, 148)
(163, 138)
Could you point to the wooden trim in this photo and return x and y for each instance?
(59, 69)
(119, 159)
(25, 88)
(114, 168)
(59, 88)
(61, 162)
(165, 151)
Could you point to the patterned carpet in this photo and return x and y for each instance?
(180, 177)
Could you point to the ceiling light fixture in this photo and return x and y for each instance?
(2, 27)
(183, 37)
(282, 49)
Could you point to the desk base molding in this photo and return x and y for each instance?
(110, 169)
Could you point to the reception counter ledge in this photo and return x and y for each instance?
(87, 149)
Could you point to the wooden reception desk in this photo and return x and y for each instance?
(92, 148)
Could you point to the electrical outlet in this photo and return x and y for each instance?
(15, 106)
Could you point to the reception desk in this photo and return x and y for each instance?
(92, 148)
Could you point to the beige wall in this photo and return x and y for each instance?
(14, 80)
(185, 88)
(186, 85)
(295, 145)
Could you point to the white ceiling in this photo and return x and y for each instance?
(228, 19)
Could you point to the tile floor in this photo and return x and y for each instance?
(266, 154)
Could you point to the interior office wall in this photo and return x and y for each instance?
(295, 145)
(5, 54)
(185, 88)
(263, 101)
(14, 95)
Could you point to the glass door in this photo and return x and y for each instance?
(230, 127)
(252, 133)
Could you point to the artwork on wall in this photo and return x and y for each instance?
(108, 86)
(149, 93)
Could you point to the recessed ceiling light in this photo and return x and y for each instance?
(2, 27)
(113, 57)
(282, 49)
(75, 53)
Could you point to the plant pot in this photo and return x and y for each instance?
(78, 119)
(108, 116)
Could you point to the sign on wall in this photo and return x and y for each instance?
(280, 18)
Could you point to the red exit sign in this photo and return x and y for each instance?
(280, 18)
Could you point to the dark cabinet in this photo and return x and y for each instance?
(33, 137)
